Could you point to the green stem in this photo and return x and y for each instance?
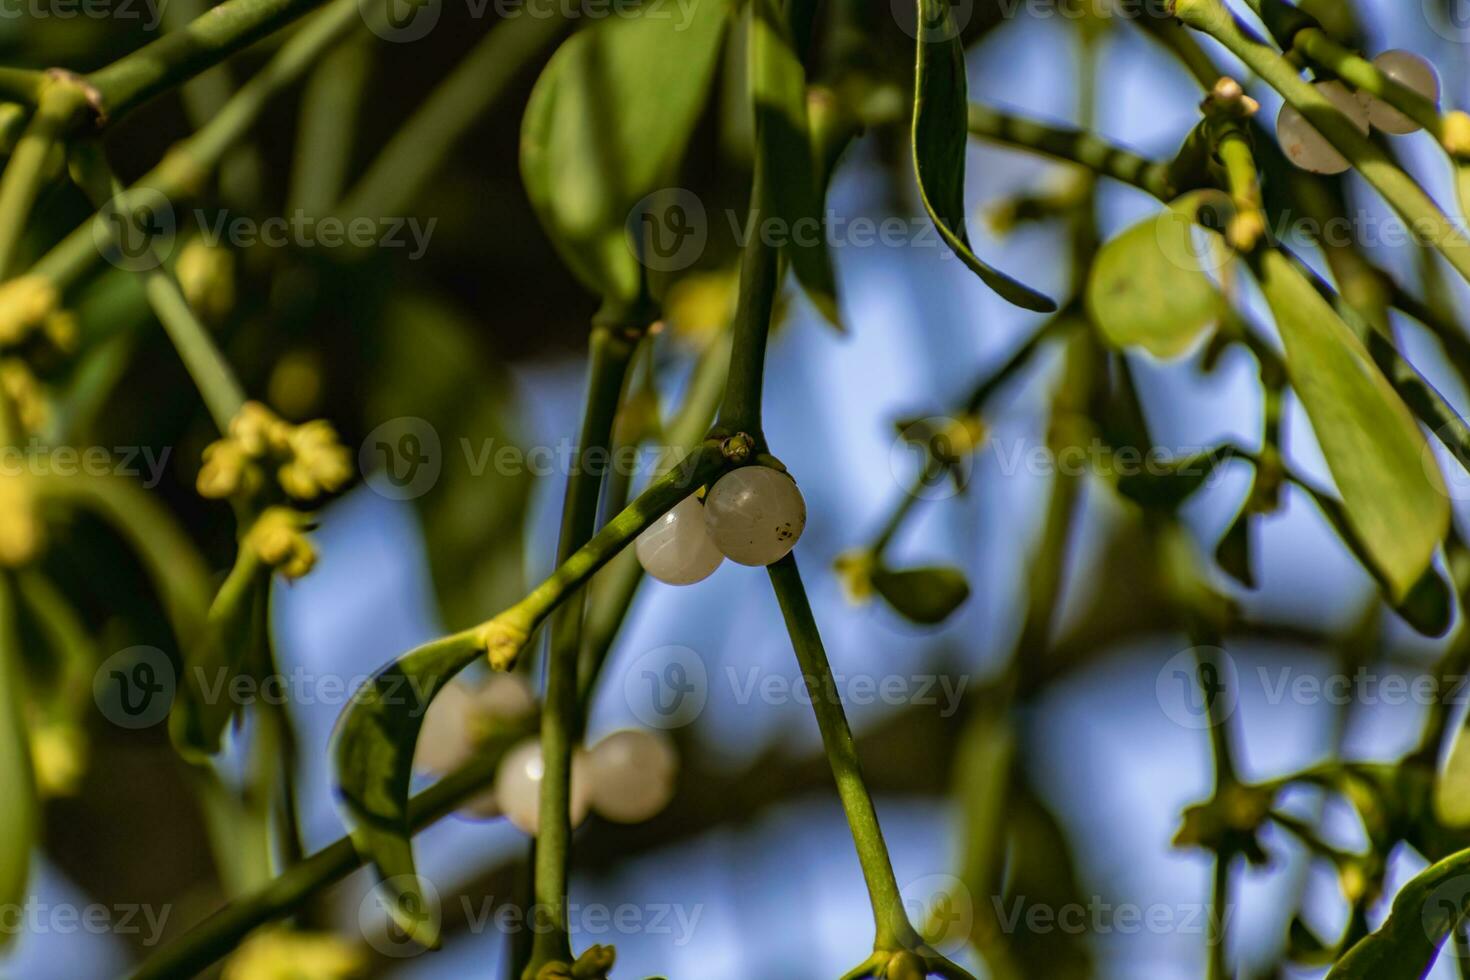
(326, 130)
(22, 85)
(183, 173)
(61, 102)
(180, 55)
(1219, 899)
(213, 377)
(612, 592)
(241, 175)
(1403, 194)
(1074, 145)
(760, 271)
(507, 634)
(611, 353)
(893, 930)
(219, 934)
(1319, 48)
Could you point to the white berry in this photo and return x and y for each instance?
(632, 775)
(449, 738)
(1309, 149)
(446, 739)
(755, 515)
(518, 786)
(1410, 71)
(503, 698)
(677, 549)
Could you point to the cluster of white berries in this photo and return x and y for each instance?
(1308, 149)
(627, 777)
(753, 515)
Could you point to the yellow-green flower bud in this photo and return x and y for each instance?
(25, 304)
(285, 954)
(259, 431)
(279, 539)
(206, 275)
(58, 758)
(318, 464)
(227, 471)
(22, 532)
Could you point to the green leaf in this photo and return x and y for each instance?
(794, 194)
(1165, 485)
(607, 125)
(20, 818)
(983, 762)
(373, 750)
(1393, 496)
(1427, 606)
(940, 135)
(1234, 554)
(1423, 915)
(1452, 786)
(1148, 287)
(923, 595)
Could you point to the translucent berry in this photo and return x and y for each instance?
(458, 722)
(1306, 147)
(632, 775)
(677, 549)
(518, 786)
(504, 698)
(755, 515)
(1410, 71)
(448, 739)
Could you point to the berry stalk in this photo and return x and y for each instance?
(892, 929)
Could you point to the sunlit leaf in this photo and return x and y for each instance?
(940, 135)
(373, 750)
(1452, 786)
(1148, 286)
(1395, 502)
(923, 595)
(607, 125)
(1428, 604)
